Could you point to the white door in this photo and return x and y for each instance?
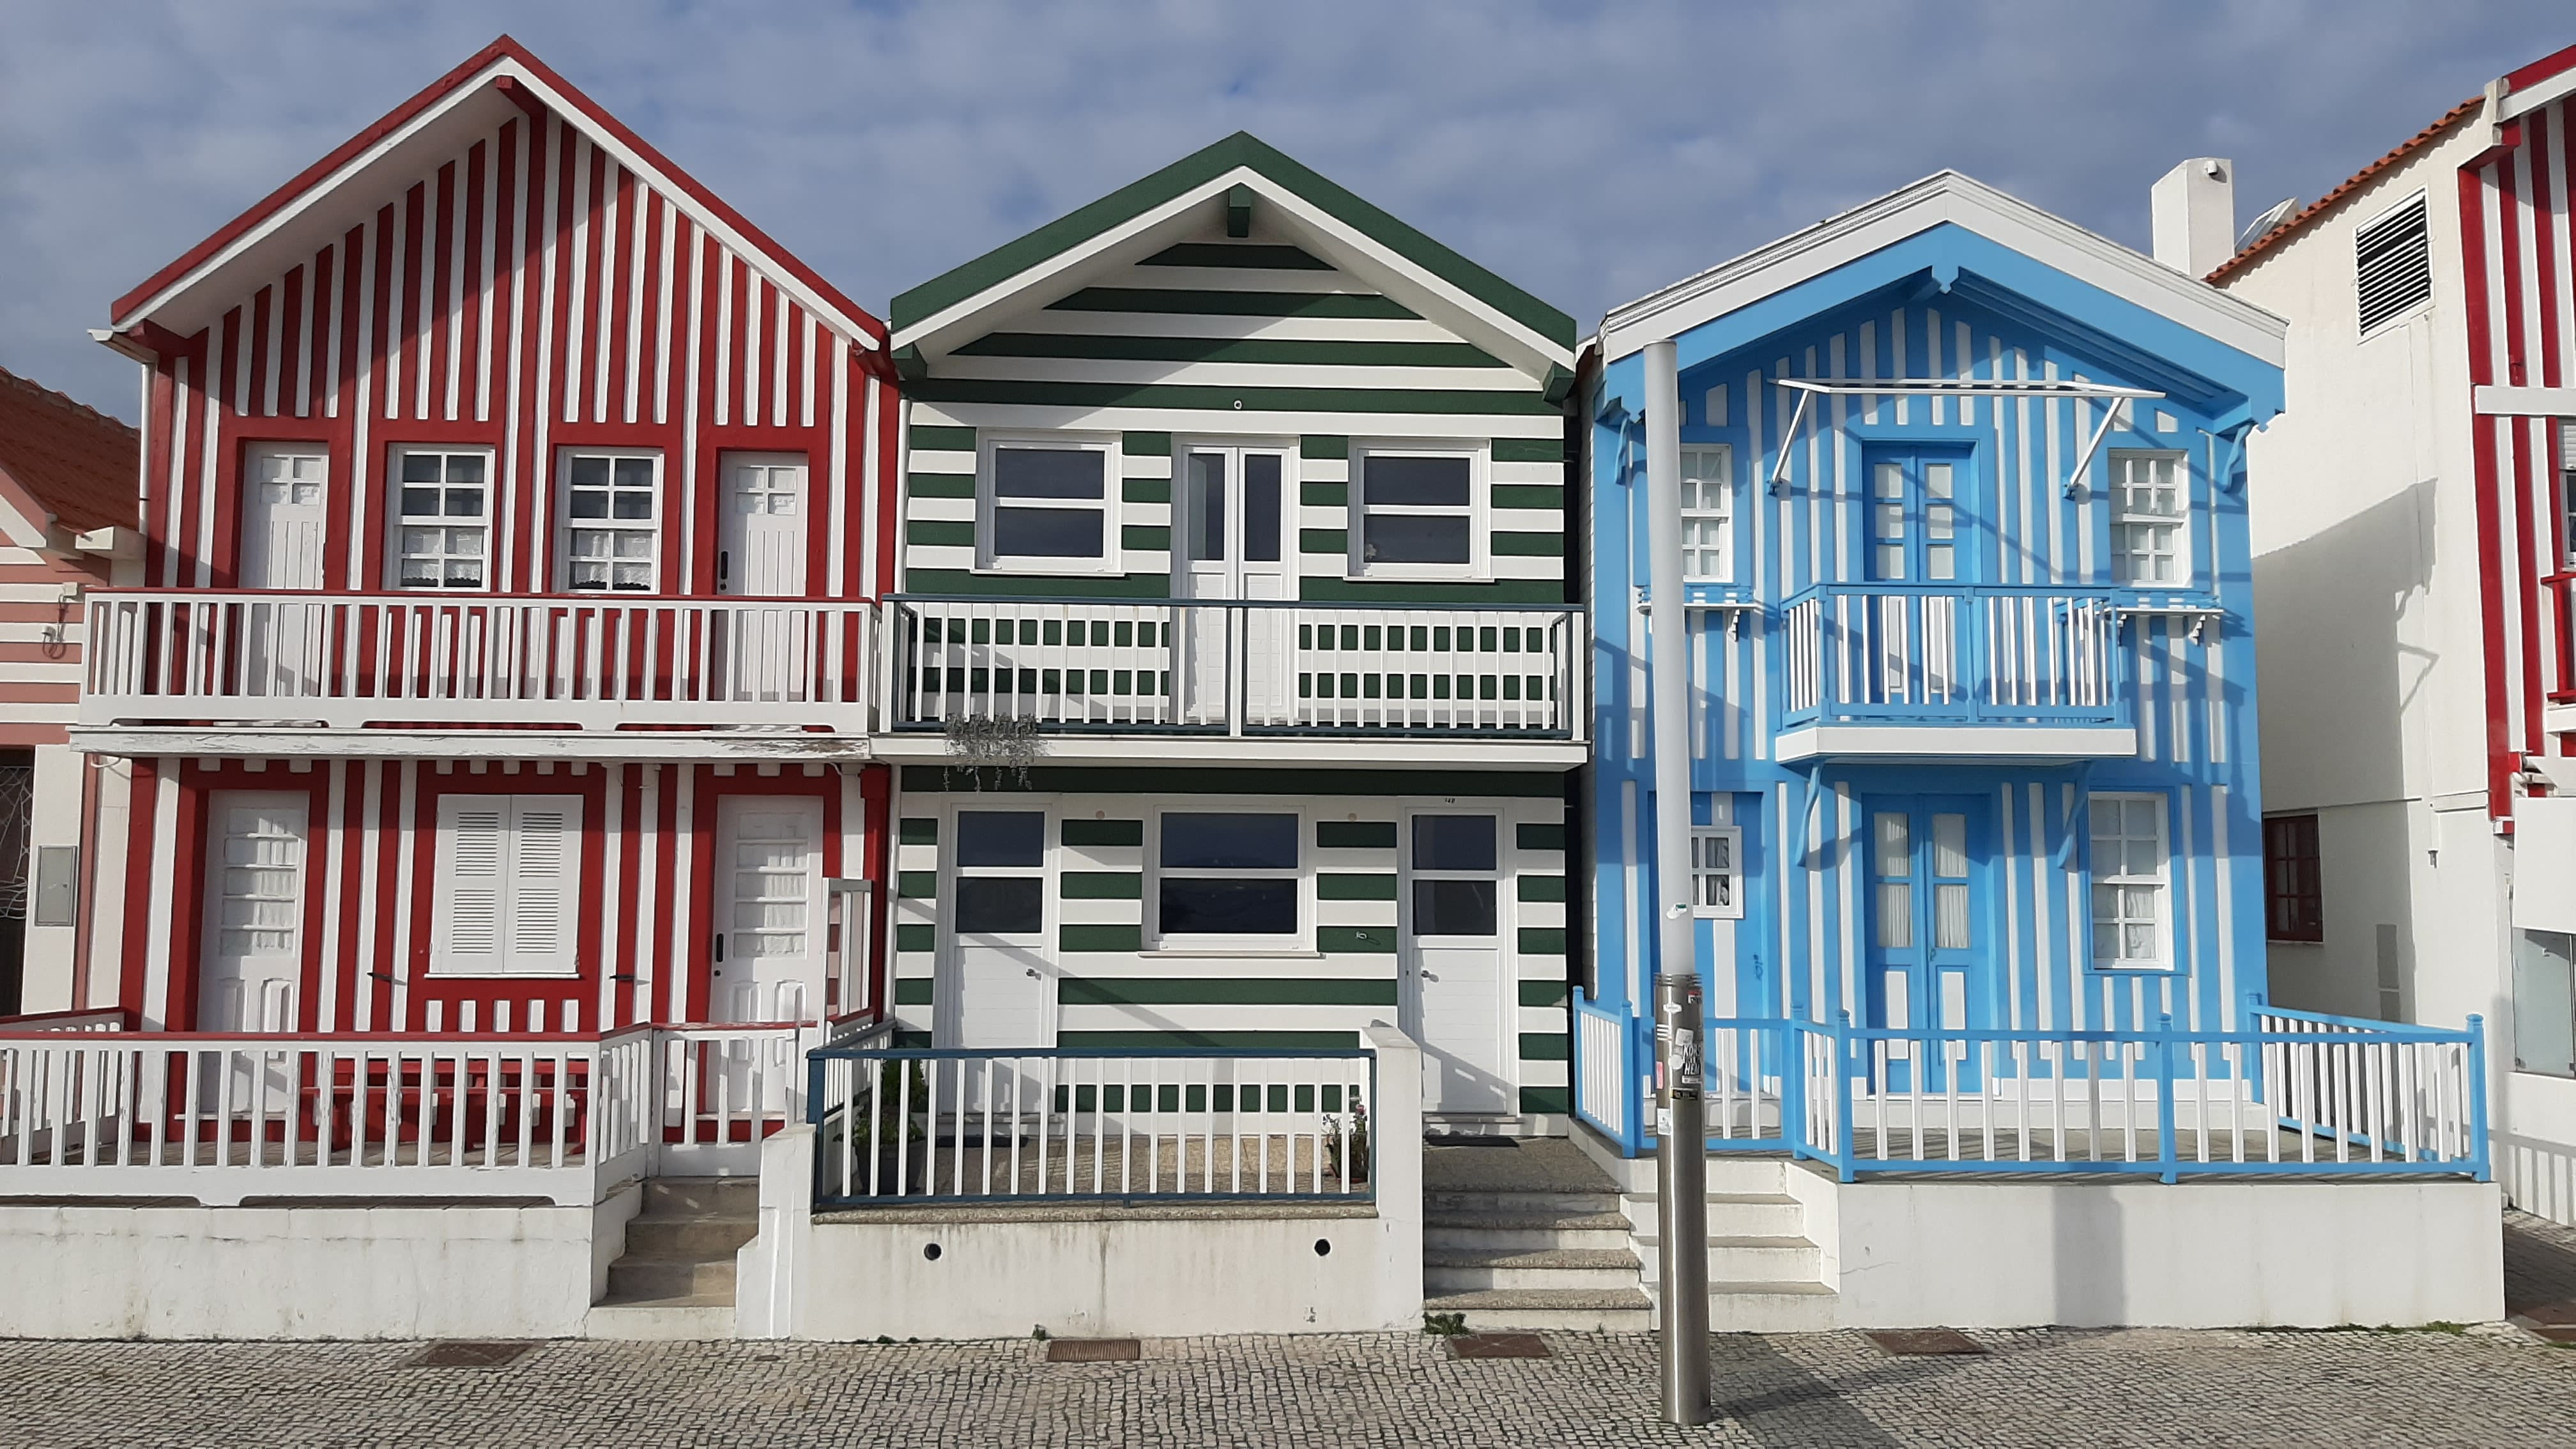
(769, 945)
(760, 554)
(1230, 519)
(285, 520)
(254, 956)
(1457, 976)
(996, 919)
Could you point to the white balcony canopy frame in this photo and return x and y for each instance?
(1807, 389)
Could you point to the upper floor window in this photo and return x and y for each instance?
(1708, 514)
(2392, 261)
(2150, 501)
(1046, 505)
(1414, 512)
(442, 518)
(2293, 893)
(612, 534)
(2567, 492)
(2132, 926)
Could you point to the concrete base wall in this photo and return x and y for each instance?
(2186, 1255)
(286, 1273)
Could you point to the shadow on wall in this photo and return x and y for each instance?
(2539, 1176)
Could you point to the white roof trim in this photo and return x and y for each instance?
(1951, 197)
(654, 176)
(2523, 102)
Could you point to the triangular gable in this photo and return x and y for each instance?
(2097, 280)
(1144, 217)
(501, 81)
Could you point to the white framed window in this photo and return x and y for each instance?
(612, 520)
(2132, 883)
(2150, 519)
(2567, 494)
(1417, 512)
(1717, 880)
(1046, 504)
(1226, 880)
(441, 518)
(1708, 513)
(508, 886)
(2392, 265)
(998, 880)
(1456, 870)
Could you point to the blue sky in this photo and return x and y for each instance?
(1588, 152)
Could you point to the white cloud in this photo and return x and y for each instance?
(1590, 153)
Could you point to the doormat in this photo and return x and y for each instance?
(1924, 1342)
(1092, 1350)
(463, 1353)
(1499, 1345)
(1467, 1139)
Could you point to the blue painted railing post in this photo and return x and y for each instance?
(1844, 1169)
(2169, 1169)
(1785, 1047)
(2478, 1098)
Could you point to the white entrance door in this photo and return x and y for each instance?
(760, 554)
(1457, 977)
(997, 933)
(769, 952)
(285, 521)
(254, 957)
(1230, 518)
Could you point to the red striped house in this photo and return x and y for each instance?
(2415, 572)
(512, 512)
(66, 498)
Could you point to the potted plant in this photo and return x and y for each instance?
(1356, 1153)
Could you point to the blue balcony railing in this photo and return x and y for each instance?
(1953, 654)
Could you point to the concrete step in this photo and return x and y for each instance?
(631, 1278)
(1576, 1310)
(702, 1197)
(1765, 1307)
(1749, 1259)
(1733, 1173)
(1524, 1231)
(1505, 1200)
(704, 1238)
(1735, 1214)
(661, 1319)
(1469, 1270)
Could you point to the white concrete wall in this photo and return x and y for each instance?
(2185, 1255)
(254, 1273)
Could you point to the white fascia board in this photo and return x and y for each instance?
(2523, 102)
(2493, 400)
(2558, 719)
(1531, 352)
(635, 746)
(1956, 744)
(1948, 197)
(1295, 752)
(469, 100)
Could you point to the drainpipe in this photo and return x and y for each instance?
(1681, 1259)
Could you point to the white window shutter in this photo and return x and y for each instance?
(545, 882)
(465, 933)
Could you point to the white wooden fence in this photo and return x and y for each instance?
(589, 662)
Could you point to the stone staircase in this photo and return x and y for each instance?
(676, 1280)
(1764, 1274)
(1526, 1234)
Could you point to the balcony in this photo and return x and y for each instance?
(1282, 683)
(218, 672)
(1887, 671)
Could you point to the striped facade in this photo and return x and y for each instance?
(498, 268)
(1237, 299)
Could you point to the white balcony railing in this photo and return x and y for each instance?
(1236, 667)
(1952, 654)
(429, 660)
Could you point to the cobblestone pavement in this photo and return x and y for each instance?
(2486, 1386)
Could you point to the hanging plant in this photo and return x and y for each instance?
(1007, 747)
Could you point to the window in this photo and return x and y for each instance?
(1708, 531)
(509, 885)
(1413, 513)
(2544, 1003)
(2567, 493)
(612, 532)
(1046, 505)
(2129, 886)
(1000, 884)
(1227, 878)
(1716, 879)
(1457, 876)
(442, 519)
(2392, 265)
(2150, 498)
(2293, 896)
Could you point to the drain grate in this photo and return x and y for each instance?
(465, 1353)
(1925, 1342)
(1092, 1350)
(1499, 1345)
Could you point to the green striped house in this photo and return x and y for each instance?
(1238, 675)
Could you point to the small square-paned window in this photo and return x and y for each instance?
(1047, 505)
(1457, 876)
(1716, 874)
(1708, 514)
(1227, 877)
(2294, 906)
(442, 519)
(2150, 520)
(612, 521)
(1414, 512)
(2132, 922)
(2567, 493)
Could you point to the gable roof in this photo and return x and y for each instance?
(2245, 256)
(65, 460)
(1165, 201)
(501, 80)
(2003, 223)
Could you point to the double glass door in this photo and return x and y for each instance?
(1929, 958)
(1229, 516)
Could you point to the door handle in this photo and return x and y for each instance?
(724, 567)
(1032, 972)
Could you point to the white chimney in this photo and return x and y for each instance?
(2193, 215)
